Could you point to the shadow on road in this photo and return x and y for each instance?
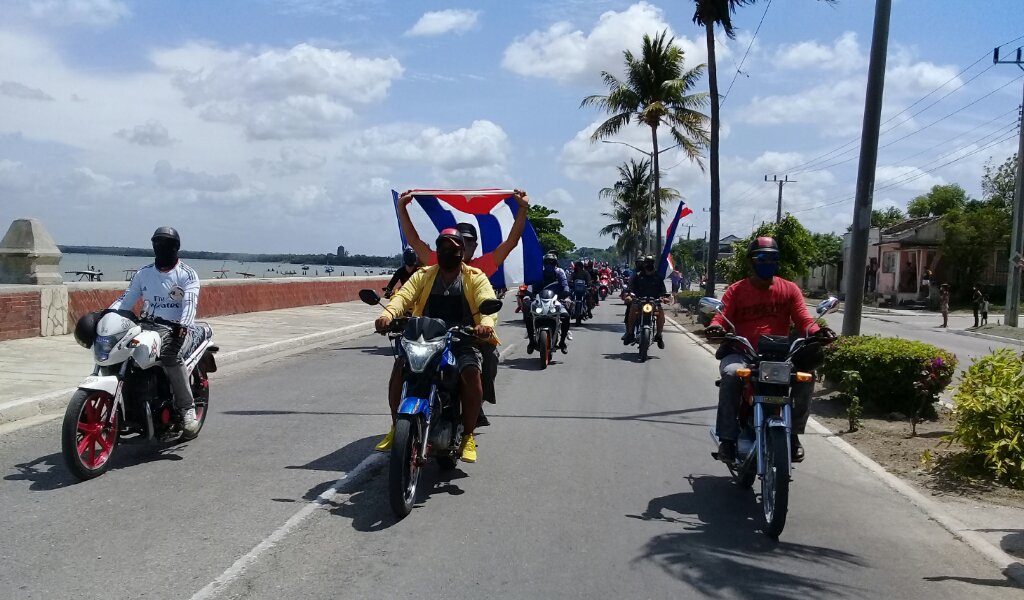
(50, 473)
(525, 363)
(273, 413)
(643, 417)
(720, 550)
(629, 356)
(374, 350)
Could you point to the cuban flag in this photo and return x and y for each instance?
(666, 253)
(492, 211)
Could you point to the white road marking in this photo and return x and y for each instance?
(212, 589)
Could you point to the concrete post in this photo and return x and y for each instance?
(28, 255)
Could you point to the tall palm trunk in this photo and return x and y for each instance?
(657, 191)
(716, 193)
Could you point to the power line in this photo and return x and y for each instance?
(742, 60)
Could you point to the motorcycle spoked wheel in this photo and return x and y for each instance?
(201, 395)
(86, 442)
(544, 347)
(404, 468)
(775, 483)
(645, 342)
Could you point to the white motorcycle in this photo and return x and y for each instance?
(545, 310)
(128, 393)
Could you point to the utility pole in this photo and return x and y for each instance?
(688, 228)
(1016, 247)
(866, 169)
(781, 182)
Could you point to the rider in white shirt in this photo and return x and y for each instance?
(172, 290)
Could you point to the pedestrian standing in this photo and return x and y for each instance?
(976, 299)
(984, 311)
(676, 278)
(944, 303)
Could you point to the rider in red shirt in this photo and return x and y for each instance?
(762, 304)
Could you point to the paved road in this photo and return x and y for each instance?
(595, 481)
(924, 327)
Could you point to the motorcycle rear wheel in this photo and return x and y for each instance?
(88, 445)
(775, 483)
(404, 468)
(645, 342)
(544, 348)
(202, 400)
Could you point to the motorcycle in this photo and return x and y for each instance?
(603, 287)
(520, 295)
(429, 423)
(544, 309)
(578, 306)
(765, 415)
(128, 393)
(646, 326)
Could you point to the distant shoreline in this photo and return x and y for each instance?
(359, 260)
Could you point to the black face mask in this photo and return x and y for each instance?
(165, 254)
(449, 258)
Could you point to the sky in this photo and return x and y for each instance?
(282, 125)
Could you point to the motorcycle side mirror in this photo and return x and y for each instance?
(827, 305)
(369, 296)
(490, 306)
(709, 306)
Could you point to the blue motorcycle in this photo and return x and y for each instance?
(429, 423)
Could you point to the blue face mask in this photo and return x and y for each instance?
(766, 270)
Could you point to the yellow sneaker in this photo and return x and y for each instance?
(386, 443)
(469, 448)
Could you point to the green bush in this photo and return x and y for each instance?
(989, 415)
(689, 298)
(892, 370)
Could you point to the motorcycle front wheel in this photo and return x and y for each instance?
(645, 342)
(404, 468)
(87, 440)
(775, 483)
(544, 347)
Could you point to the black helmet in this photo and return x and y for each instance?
(551, 258)
(409, 256)
(761, 244)
(85, 329)
(468, 230)
(166, 233)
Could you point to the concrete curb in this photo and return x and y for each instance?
(53, 403)
(997, 338)
(1011, 567)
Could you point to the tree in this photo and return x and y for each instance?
(708, 14)
(828, 249)
(797, 250)
(937, 202)
(632, 207)
(656, 92)
(689, 256)
(973, 233)
(549, 230)
(887, 218)
(997, 184)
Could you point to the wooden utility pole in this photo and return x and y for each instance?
(781, 182)
(1017, 233)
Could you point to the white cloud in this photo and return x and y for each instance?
(151, 133)
(95, 13)
(444, 21)
(900, 178)
(302, 92)
(843, 55)
(308, 198)
(21, 91)
(566, 54)
(184, 179)
(291, 161)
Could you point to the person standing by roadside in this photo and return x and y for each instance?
(976, 300)
(677, 279)
(944, 303)
(984, 310)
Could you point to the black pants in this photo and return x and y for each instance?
(731, 389)
(173, 350)
(977, 309)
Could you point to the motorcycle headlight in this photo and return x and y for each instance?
(419, 352)
(103, 345)
(553, 310)
(648, 308)
(539, 310)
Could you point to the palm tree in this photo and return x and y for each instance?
(656, 93)
(709, 13)
(632, 207)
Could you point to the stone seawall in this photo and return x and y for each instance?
(30, 310)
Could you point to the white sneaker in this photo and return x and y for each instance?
(189, 423)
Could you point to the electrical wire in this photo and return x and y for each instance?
(742, 60)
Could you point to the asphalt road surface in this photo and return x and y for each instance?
(594, 481)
